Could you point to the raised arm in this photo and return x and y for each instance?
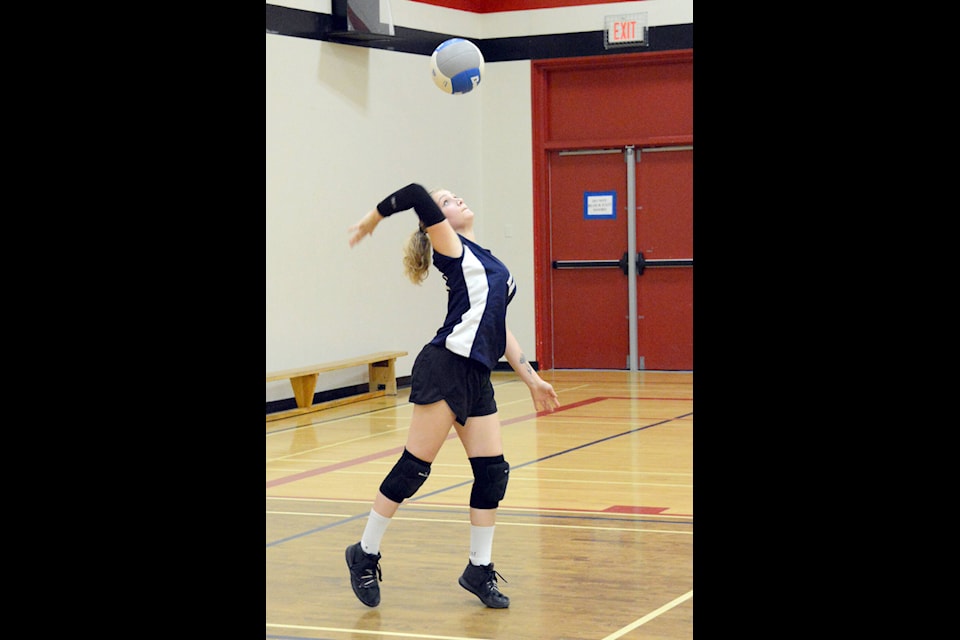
(413, 196)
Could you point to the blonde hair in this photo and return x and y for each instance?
(417, 253)
(416, 256)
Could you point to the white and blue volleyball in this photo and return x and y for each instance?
(456, 66)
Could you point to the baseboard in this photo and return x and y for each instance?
(274, 406)
(505, 366)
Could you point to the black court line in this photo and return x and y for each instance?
(467, 482)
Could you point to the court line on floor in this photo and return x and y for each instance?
(507, 511)
(650, 616)
(598, 441)
(414, 499)
(405, 403)
(379, 434)
(507, 523)
(395, 451)
(393, 634)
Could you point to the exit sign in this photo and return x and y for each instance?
(625, 31)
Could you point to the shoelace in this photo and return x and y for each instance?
(492, 580)
(368, 576)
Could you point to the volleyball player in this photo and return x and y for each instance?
(450, 384)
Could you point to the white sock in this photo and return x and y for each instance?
(481, 545)
(373, 533)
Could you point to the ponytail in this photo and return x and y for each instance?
(416, 256)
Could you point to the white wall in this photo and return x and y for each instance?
(347, 125)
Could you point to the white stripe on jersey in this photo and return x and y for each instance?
(460, 341)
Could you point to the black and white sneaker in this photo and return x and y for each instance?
(365, 574)
(481, 581)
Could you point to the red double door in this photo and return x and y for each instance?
(589, 275)
(591, 115)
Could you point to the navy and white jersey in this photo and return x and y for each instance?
(479, 289)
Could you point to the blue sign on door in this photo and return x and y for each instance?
(599, 205)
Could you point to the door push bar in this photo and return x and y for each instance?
(621, 264)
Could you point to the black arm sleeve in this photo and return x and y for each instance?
(416, 197)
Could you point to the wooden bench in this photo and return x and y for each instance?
(383, 381)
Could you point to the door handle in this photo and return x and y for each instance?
(587, 264)
(642, 263)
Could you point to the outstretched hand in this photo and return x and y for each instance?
(364, 227)
(544, 397)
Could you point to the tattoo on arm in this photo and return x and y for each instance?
(524, 364)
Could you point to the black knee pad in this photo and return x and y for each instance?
(490, 476)
(406, 477)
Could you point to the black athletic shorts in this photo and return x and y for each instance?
(440, 374)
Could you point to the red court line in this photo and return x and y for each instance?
(540, 414)
(642, 398)
(625, 508)
(333, 467)
(398, 450)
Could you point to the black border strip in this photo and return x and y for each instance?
(320, 26)
(284, 404)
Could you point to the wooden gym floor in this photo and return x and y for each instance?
(594, 538)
